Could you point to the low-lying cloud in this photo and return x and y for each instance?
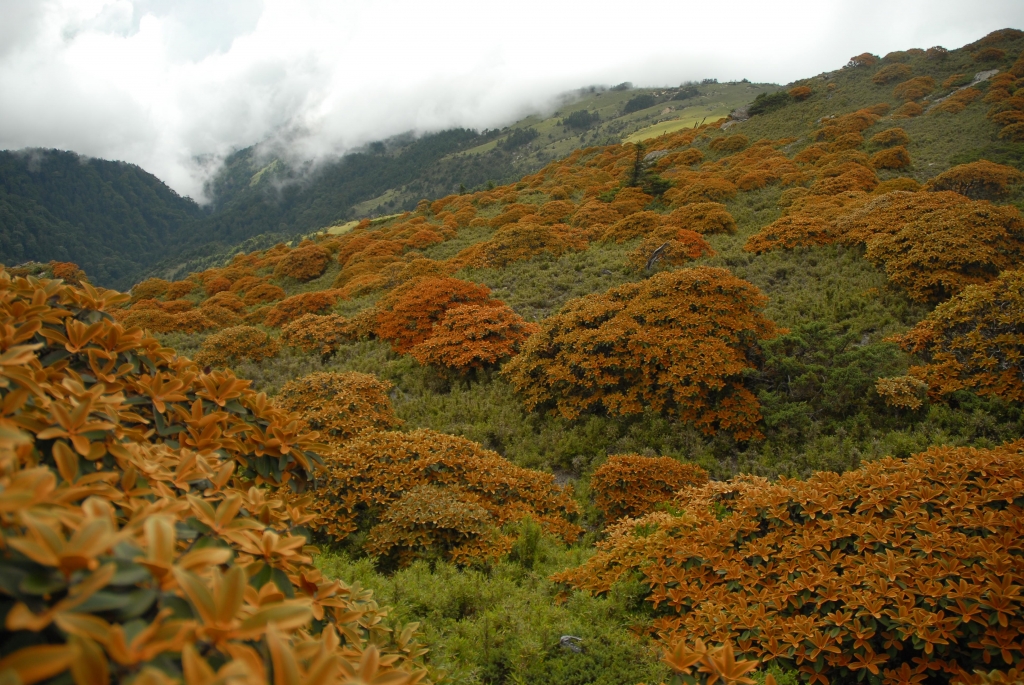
(165, 83)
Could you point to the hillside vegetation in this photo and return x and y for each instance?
(119, 222)
(737, 402)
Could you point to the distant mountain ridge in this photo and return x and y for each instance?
(121, 223)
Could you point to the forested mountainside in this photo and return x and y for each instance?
(110, 217)
(118, 222)
(738, 402)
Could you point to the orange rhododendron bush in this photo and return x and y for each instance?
(675, 343)
(293, 307)
(420, 490)
(890, 73)
(304, 263)
(975, 341)
(406, 317)
(981, 180)
(516, 242)
(934, 244)
(236, 344)
(800, 93)
(704, 217)
(150, 516)
(903, 571)
(891, 158)
(340, 405)
(732, 143)
(915, 88)
(322, 334)
(669, 246)
(473, 337)
(632, 485)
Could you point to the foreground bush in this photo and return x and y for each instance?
(675, 343)
(903, 571)
(151, 516)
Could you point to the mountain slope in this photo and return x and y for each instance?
(118, 222)
(108, 217)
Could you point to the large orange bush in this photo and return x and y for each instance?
(375, 483)
(151, 516)
(905, 571)
(322, 334)
(943, 243)
(291, 308)
(974, 341)
(676, 343)
(406, 317)
(473, 337)
(236, 344)
(981, 180)
(340, 405)
(304, 263)
(632, 485)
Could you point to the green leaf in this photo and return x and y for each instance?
(42, 583)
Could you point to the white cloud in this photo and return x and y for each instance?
(159, 82)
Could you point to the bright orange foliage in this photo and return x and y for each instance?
(293, 307)
(630, 200)
(386, 482)
(632, 485)
(406, 317)
(264, 292)
(905, 570)
(890, 73)
(216, 285)
(304, 263)
(179, 289)
(865, 59)
(981, 180)
(914, 89)
(669, 246)
(340, 405)
(891, 158)
(935, 244)
(958, 101)
(703, 217)
(908, 110)
(974, 341)
(323, 334)
(149, 289)
(117, 457)
(675, 343)
(520, 241)
(67, 272)
(700, 190)
(473, 336)
(733, 143)
(800, 93)
(236, 344)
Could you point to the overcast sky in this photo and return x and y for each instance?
(161, 82)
